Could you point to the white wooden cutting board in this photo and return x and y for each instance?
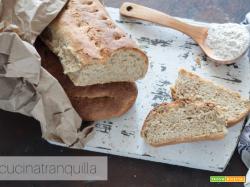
(168, 50)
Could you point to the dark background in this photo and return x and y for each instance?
(20, 135)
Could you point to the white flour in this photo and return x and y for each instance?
(228, 41)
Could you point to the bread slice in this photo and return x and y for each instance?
(179, 121)
(91, 48)
(191, 86)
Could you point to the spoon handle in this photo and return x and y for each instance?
(140, 12)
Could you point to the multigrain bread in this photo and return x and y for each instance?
(96, 102)
(91, 48)
(191, 86)
(182, 121)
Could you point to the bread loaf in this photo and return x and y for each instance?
(96, 102)
(103, 101)
(181, 121)
(191, 86)
(91, 48)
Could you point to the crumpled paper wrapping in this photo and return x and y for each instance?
(26, 87)
(28, 18)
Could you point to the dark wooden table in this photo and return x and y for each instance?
(20, 135)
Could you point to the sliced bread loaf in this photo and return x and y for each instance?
(191, 86)
(180, 121)
(91, 48)
(95, 102)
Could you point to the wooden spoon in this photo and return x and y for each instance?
(197, 33)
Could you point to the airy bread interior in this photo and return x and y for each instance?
(191, 86)
(125, 65)
(177, 122)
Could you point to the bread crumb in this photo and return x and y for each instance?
(198, 61)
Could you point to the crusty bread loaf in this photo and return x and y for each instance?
(91, 48)
(96, 102)
(181, 121)
(103, 101)
(193, 87)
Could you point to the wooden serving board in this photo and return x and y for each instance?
(168, 50)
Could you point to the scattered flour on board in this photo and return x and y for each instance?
(228, 41)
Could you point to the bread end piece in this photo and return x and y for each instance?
(193, 87)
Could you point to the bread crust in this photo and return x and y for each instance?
(105, 101)
(84, 32)
(96, 102)
(192, 75)
(175, 104)
(79, 15)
